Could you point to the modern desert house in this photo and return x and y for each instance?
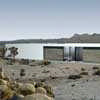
(60, 52)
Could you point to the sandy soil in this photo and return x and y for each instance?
(56, 74)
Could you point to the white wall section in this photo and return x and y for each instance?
(28, 51)
(35, 50)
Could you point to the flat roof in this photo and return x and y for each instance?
(76, 44)
(66, 44)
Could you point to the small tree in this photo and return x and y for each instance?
(13, 52)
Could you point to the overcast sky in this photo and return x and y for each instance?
(48, 18)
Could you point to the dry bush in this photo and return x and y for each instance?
(33, 60)
(74, 76)
(95, 67)
(45, 71)
(84, 73)
(46, 62)
(97, 72)
(39, 84)
(82, 69)
(22, 72)
(24, 61)
(49, 91)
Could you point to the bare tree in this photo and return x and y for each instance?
(13, 52)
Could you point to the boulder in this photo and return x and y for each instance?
(37, 97)
(19, 85)
(17, 97)
(27, 89)
(3, 82)
(2, 75)
(5, 92)
(41, 90)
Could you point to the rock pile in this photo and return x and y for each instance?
(12, 90)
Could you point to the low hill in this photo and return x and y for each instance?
(76, 38)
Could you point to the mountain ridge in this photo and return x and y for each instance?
(76, 38)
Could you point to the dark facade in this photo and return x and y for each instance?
(78, 53)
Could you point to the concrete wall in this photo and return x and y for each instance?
(35, 50)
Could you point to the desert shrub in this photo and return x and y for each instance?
(10, 62)
(24, 61)
(84, 73)
(33, 60)
(97, 72)
(39, 84)
(49, 90)
(82, 69)
(95, 67)
(13, 52)
(6, 78)
(73, 85)
(12, 90)
(46, 62)
(45, 71)
(67, 68)
(22, 72)
(74, 76)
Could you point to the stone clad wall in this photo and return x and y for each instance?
(54, 53)
(91, 55)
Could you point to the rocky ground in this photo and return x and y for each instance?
(70, 80)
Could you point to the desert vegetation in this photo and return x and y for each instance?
(9, 90)
(49, 80)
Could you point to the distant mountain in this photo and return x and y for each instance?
(76, 38)
(85, 38)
